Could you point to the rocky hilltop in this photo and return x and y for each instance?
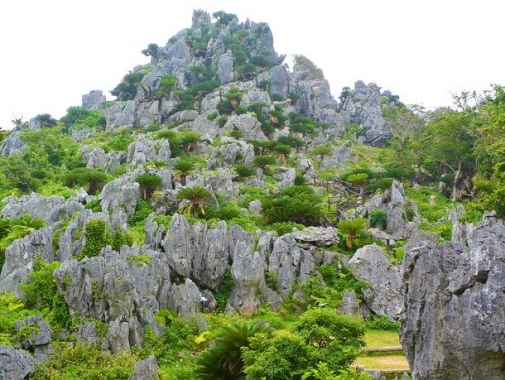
(221, 180)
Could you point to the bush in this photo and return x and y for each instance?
(244, 171)
(299, 204)
(379, 219)
(277, 358)
(381, 322)
(224, 360)
(332, 338)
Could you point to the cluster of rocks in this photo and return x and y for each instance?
(363, 105)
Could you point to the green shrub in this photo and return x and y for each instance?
(224, 360)
(277, 358)
(299, 204)
(244, 171)
(379, 219)
(381, 322)
(353, 230)
(332, 338)
(224, 290)
(85, 361)
(97, 237)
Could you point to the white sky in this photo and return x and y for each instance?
(54, 51)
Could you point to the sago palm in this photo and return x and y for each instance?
(196, 196)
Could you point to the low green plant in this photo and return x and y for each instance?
(332, 338)
(378, 219)
(381, 322)
(224, 360)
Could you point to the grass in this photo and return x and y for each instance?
(382, 362)
(381, 338)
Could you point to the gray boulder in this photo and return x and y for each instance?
(146, 369)
(225, 67)
(13, 144)
(15, 364)
(39, 341)
(247, 273)
(455, 310)
(20, 257)
(290, 264)
(317, 235)
(184, 298)
(285, 177)
(93, 100)
(247, 124)
(121, 194)
(50, 209)
(384, 295)
(395, 204)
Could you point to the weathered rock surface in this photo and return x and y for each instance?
(247, 273)
(384, 295)
(50, 209)
(20, 257)
(117, 288)
(317, 235)
(13, 143)
(363, 106)
(455, 310)
(395, 204)
(39, 342)
(290, 264)
(15, 364)
(146, 369)
(121, 194)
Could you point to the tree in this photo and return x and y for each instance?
(149, 183)
(447, 148)
(352, 229)
(196, 196)
(46, 120)
(332, 338)
(224, 360)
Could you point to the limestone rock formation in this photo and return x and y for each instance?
(146, 369)
(15, 364)
(13, 143)
(363, 106)
(50, 209)
(384, 295)
(394, 202)
(39, 342)
(20, 257)
(455, 310)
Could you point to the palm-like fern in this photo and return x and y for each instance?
(352, 229)
(196, 196)
(224, 359)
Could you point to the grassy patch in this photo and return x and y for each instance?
(381, 338)
(382, 362)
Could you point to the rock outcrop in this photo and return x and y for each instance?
(371, 265)
(15, 364)
(455, 310)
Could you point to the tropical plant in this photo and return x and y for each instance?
(299, 204)
(196, 197)
(352, 229)
(224, 360)
(379, 218)
(149, 183)
(46, 120)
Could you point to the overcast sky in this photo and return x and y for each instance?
(54, 51)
